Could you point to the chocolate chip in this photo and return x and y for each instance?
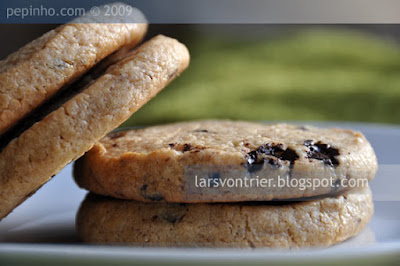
(271, 154)
(251, 157)
(278, 151)
(215, 177)
(274, 162)
(336, 185)
(187, 147)
(253, 164)
(252, 168)
(153, 197)
(323, 152)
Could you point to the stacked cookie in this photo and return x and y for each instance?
(226, 184)
(66, 90)
(202, 184)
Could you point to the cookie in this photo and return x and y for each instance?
(316, 223)
(34, 73)
(176, 162)
(64, 134)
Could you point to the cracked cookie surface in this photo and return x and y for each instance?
(161, 158)
(315, 223)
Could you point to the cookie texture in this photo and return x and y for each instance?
(314, 223)
(162, 163)
(34, 73)
(40, 152)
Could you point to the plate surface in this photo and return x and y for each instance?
(42, 229)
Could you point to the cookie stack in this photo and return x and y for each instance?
(197, 184)
(63, 92)
(170, 186)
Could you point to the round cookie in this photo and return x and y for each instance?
(35, 72)
(173, 162)
(41, 151)
(316, 223)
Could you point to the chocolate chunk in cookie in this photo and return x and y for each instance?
(271, 154)
(322, 151)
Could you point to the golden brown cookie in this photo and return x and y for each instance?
(316, 223)
(170, 162)
(41, 151)
(35, 72)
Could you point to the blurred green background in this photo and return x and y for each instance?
(283, 73)
(272, 72)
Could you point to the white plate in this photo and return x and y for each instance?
(42, 229)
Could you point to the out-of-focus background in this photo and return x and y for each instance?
(271, 72)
